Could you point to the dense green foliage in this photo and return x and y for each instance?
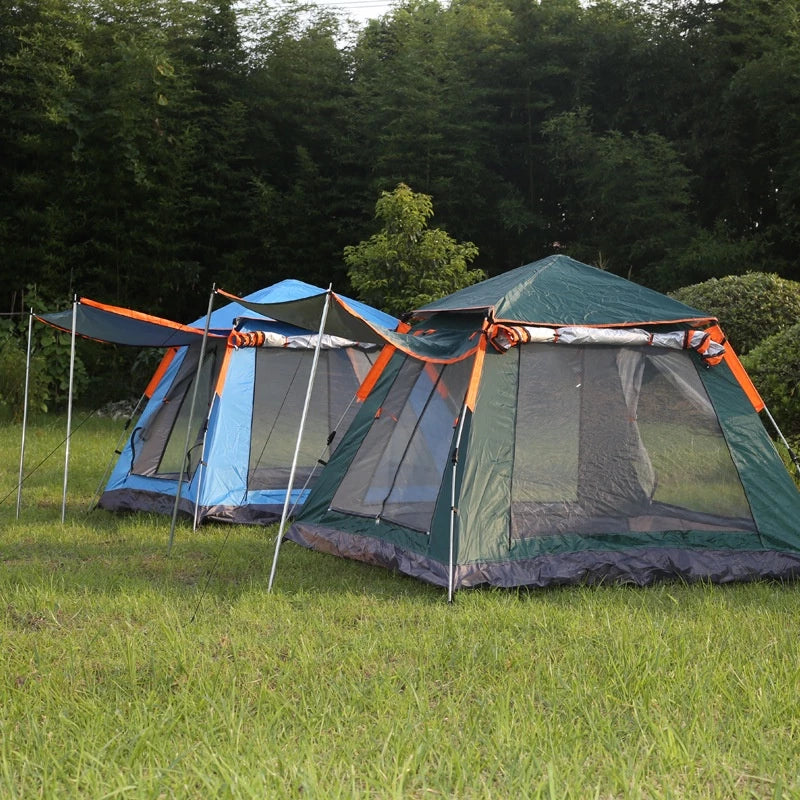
(750, 307)
(153, 148)
(407, 264)
(126, 673)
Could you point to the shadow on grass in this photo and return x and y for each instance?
(102, 552)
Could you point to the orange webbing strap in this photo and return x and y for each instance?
(475, 378)
(368, 384)
(253, 339)
(705, 344)
(223, 370)
(504, 337)
(376, 370)
(160, 370)
(738, 370)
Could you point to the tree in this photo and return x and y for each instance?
(407, 264)
(625, 198)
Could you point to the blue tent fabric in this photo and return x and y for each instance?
(245, 426)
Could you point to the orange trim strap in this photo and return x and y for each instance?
(475, 378)
(737, 368)
(160, 370)
(368, 384)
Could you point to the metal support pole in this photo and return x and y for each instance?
(189, 423)
(792, 454)
(309, 388)
(453, 507)
(69, 407)
(24, 414)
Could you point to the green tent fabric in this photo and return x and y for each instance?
(546, 462)
(561, 291)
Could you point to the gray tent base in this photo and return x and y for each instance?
(634, 566)
(143, 501)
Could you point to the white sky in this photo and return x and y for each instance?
(360, 10)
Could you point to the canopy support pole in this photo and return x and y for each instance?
(309, 388)
(792, 454)
(453, 508)
(24, 414)
(201, 468)
(189, 423)
(69, 406)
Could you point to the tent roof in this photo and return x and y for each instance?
(117, 325)
(558, 290)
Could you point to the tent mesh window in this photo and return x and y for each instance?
(281, 379)
(162, 442)
(617, 439)
(398, 469)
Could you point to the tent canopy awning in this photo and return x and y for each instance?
(117, 325)
(349, 319)
(446, 339)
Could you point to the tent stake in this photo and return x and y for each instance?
(306, 404)
(24, 414)
(69, 406)
(189, 423)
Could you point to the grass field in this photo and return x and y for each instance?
(125, 673)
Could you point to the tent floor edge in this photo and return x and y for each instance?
(369, 550)
(631, 566)
(137, 500)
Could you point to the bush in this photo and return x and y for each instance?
(774, 366)
(12, 377)
(49, 374)
(750, 307)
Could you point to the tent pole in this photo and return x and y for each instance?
(69, 406)
(453, 508)
(201, 469)
(309, 388)
(189, 423)
(786, 444)
(24, 413)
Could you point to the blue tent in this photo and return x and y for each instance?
(249, 393)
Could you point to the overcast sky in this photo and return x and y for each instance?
(359, 10)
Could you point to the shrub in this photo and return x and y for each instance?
(749, 307)
(774, 366)
(12, 376)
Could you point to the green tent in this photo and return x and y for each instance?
(558, 424)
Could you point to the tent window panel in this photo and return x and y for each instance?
(163, 441)
(679, 427)
(547, 431)
(644, 450)
(281, 381)
(397, 472)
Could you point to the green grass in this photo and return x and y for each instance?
(125, 673)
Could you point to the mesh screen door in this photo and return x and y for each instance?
(619, 439)
(397, 472)
(162, 442)
(279, 394)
